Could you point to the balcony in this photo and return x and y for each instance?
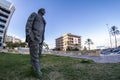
(1, 31)
(3, 18)
(5, 10)
(4, 14)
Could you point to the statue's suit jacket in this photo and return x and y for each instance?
(35, 28)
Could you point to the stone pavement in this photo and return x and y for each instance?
(104, 59)
(98, 59)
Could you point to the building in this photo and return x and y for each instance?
(68, 41)
(6, 11)
(12, 39)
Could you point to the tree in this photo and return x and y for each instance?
(68, 48)
(76, 49)
(23, 44)
(12, 45)
(84, 48)
(88, 42)
(46, 46)
(9, 45)
(114, 31)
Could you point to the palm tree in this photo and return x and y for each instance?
(88, 42)
(114, 31)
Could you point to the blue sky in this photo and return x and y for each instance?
(86, 18)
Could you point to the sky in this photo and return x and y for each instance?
(86, 18)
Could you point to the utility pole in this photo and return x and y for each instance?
(109, 35)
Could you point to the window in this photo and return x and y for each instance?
(4, 10)
(1, 20)
(3, 15)
(2, 27)
(1, 31)
(0, 43)
(0, 37)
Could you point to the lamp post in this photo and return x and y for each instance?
(109, 35)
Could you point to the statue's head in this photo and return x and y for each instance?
(41, 11)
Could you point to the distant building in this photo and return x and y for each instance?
(68, 41)
(12, 39)
(6, 12)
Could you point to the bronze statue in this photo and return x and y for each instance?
(35, 28)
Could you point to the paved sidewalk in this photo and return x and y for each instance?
(104, 59)
(99, 59)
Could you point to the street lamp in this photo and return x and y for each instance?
(109, 35)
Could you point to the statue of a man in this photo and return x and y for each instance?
(35, 28)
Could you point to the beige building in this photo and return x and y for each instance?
(12, 39)
(68, 41)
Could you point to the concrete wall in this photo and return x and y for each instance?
(75, 53)
(67, 53)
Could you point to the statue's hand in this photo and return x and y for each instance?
(27, 38)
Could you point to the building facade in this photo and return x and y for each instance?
(12, 39)
(68, 41)
(6, 11)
